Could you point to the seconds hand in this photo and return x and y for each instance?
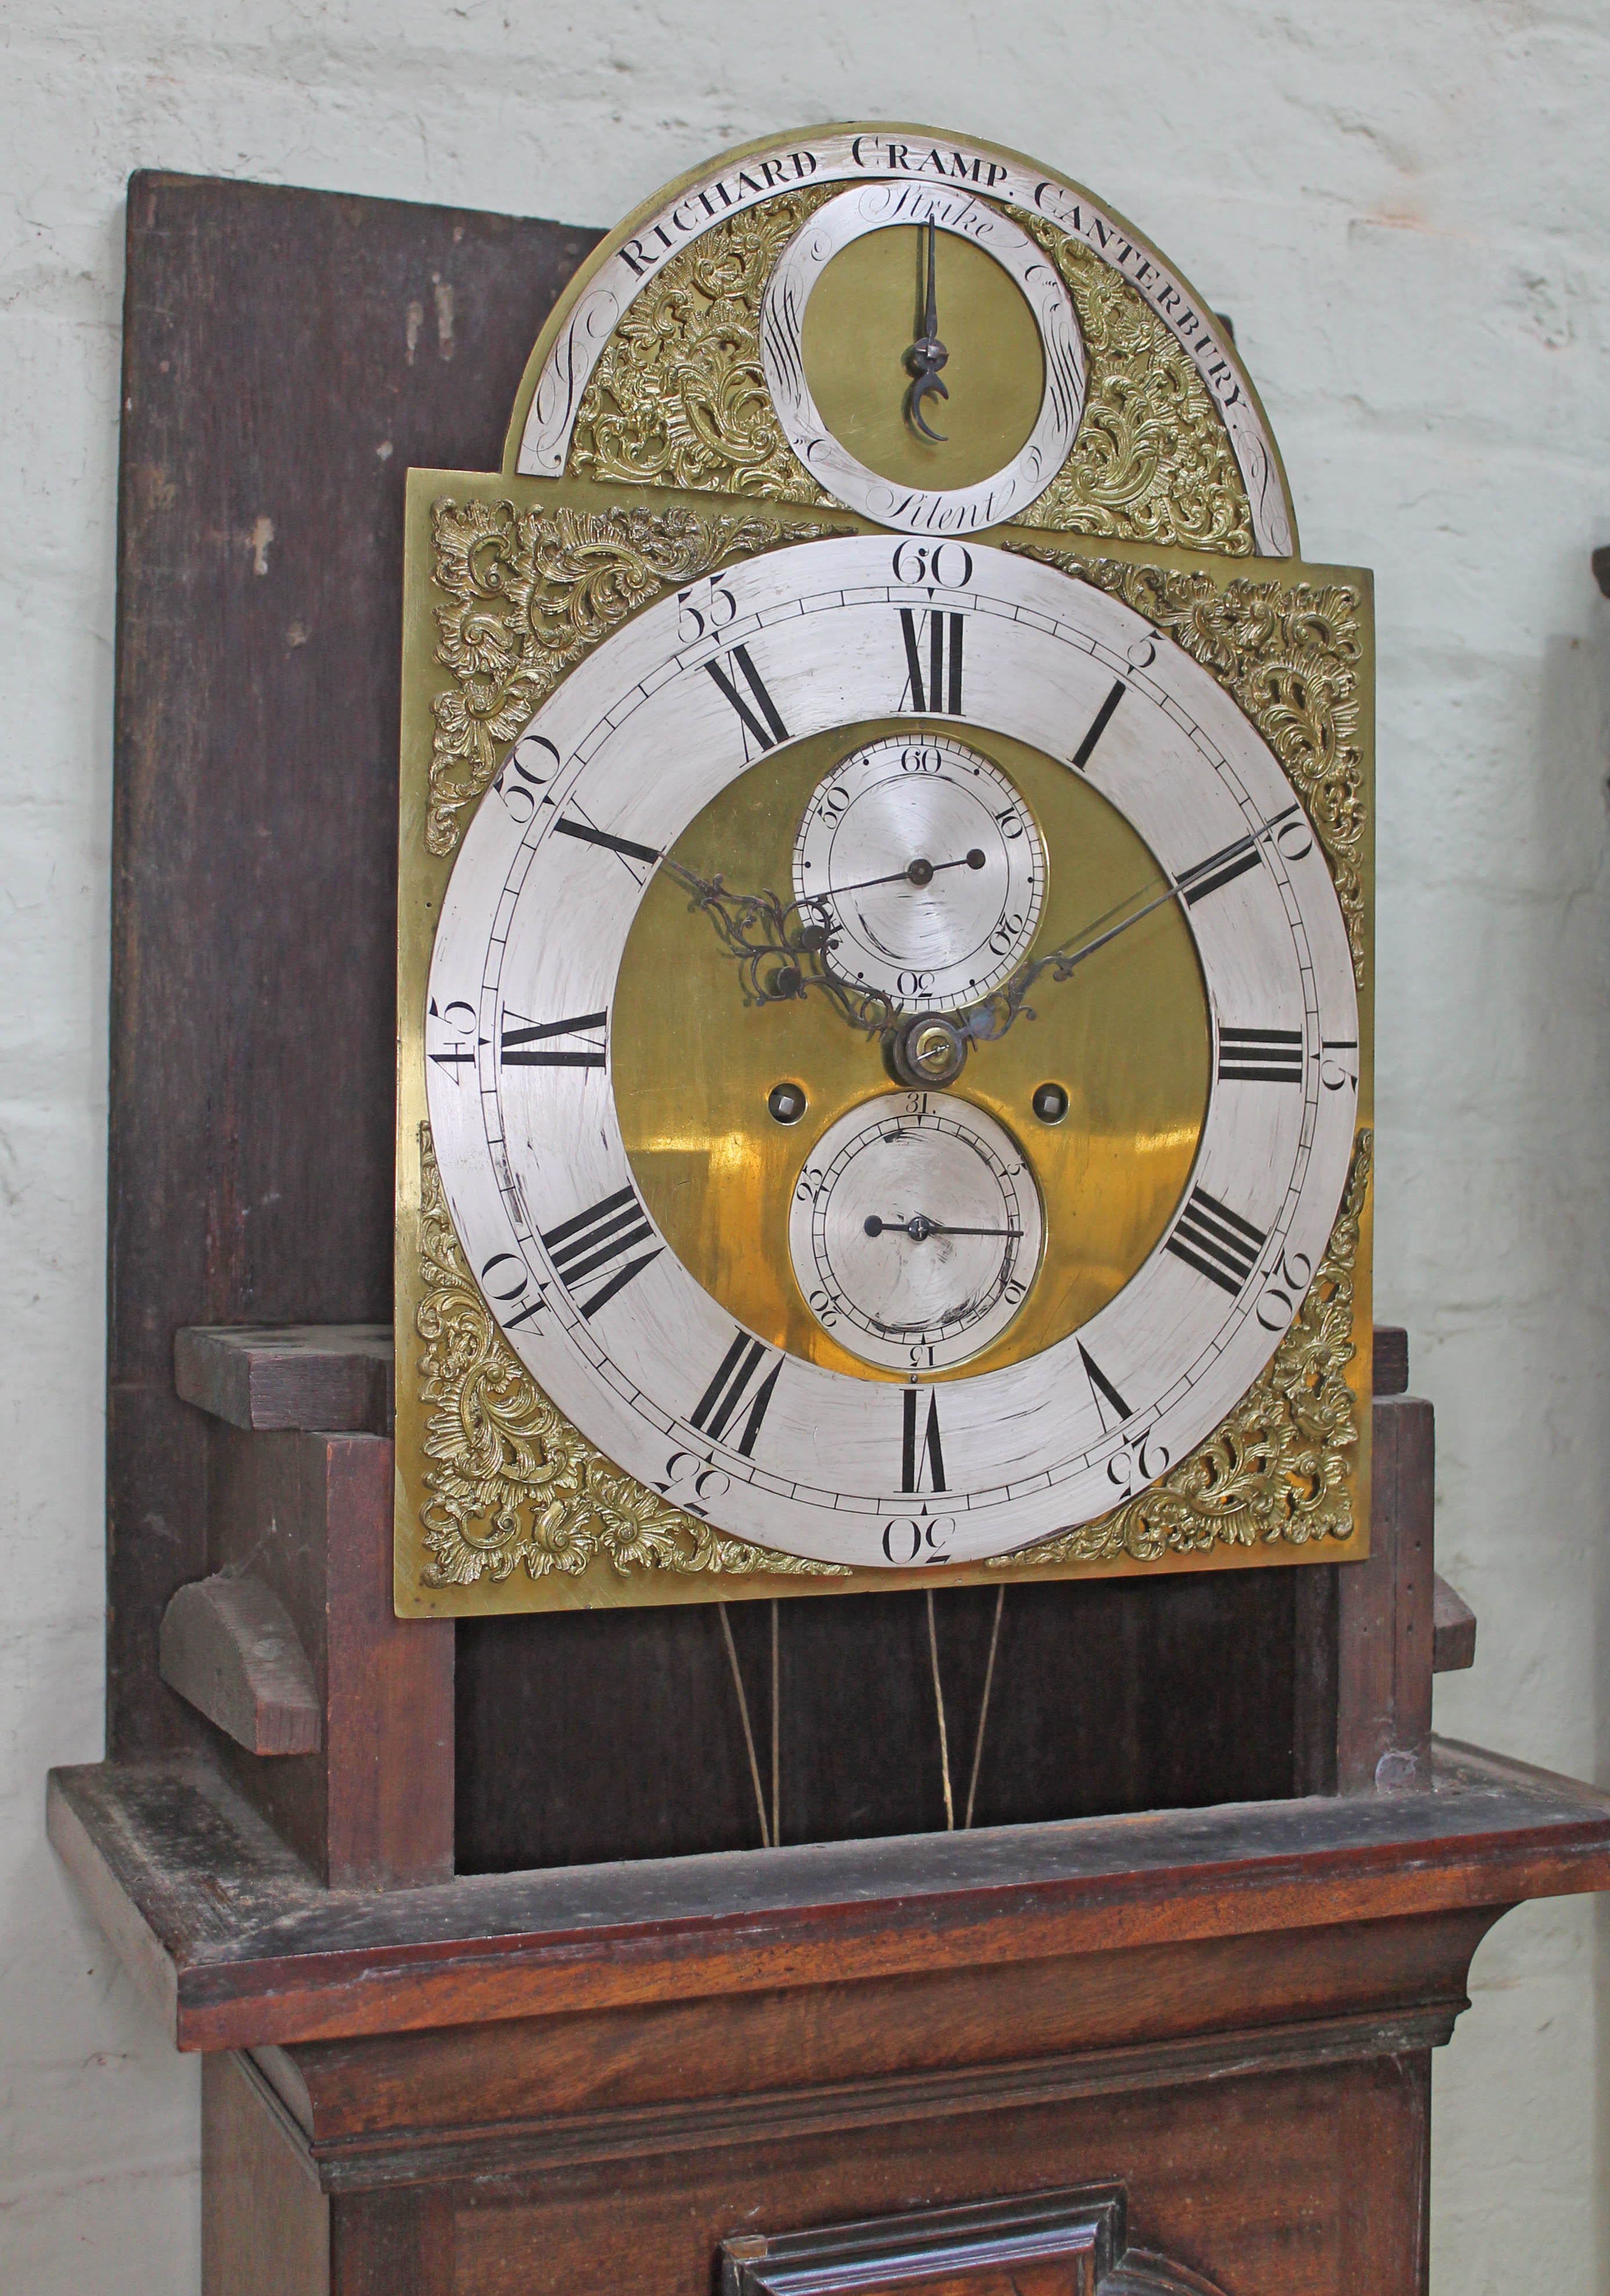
(915, 872)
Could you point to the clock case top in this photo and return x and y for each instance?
(1292, 642)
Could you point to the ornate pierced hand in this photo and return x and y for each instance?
(783, 950)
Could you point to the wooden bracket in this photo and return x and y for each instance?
(229, 1646)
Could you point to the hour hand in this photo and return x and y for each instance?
(782, 951)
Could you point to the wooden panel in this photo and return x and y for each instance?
(576, 1733)
(240, 1947)
(287, 356)
(264, 2223)
(1293, 2184)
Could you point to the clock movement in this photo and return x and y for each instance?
(885, 923)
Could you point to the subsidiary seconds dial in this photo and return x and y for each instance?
(925, 868)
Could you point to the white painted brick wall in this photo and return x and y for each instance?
(1407, 210)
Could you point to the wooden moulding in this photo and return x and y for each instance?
(1068, 2243)
(240, 1944)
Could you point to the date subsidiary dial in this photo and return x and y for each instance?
(915, 1231)
(926, 869)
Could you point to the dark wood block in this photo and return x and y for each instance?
(1390, 1365)
(275, 389)
(1453, 1630)
(310, 1516)
(333, 1377)
(229, 1647)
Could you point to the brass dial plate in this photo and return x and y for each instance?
(1127, 1037)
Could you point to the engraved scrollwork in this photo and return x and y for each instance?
(1276, 1468)
(1290, 656)
(531, 592)
(510, 1483)
(679, 398)
(1153, 460)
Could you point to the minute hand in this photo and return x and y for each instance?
(992, 1021)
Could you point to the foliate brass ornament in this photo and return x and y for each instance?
(679, 398)
(1275, 1469)
(531, 593)
(679, 395)
(1152, 461)
(1289, 655)
(510, 1483)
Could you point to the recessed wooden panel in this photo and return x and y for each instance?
(287, 356)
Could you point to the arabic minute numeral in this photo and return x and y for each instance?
(933, 661)
(703, 608)
(758, 713)
(946, 565)
(1335, 1073)
(531, 765)
(737, 1382)
(920, 1454)
(596, 1242)
(507, 1283)
(911, 1539)
(1288, 1285)
(459, 1052)
(1216, 1241)
(1261, 1055)
(534, 1044)
(1140, 1457)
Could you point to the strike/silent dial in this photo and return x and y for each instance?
(915, 1231)
(926, 869)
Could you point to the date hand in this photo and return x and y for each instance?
(919, 1227)
(926, 356)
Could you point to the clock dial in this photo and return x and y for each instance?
(915, 1230)
(864, 317)
(795, 664)
(925, 868)
(1010, 349)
